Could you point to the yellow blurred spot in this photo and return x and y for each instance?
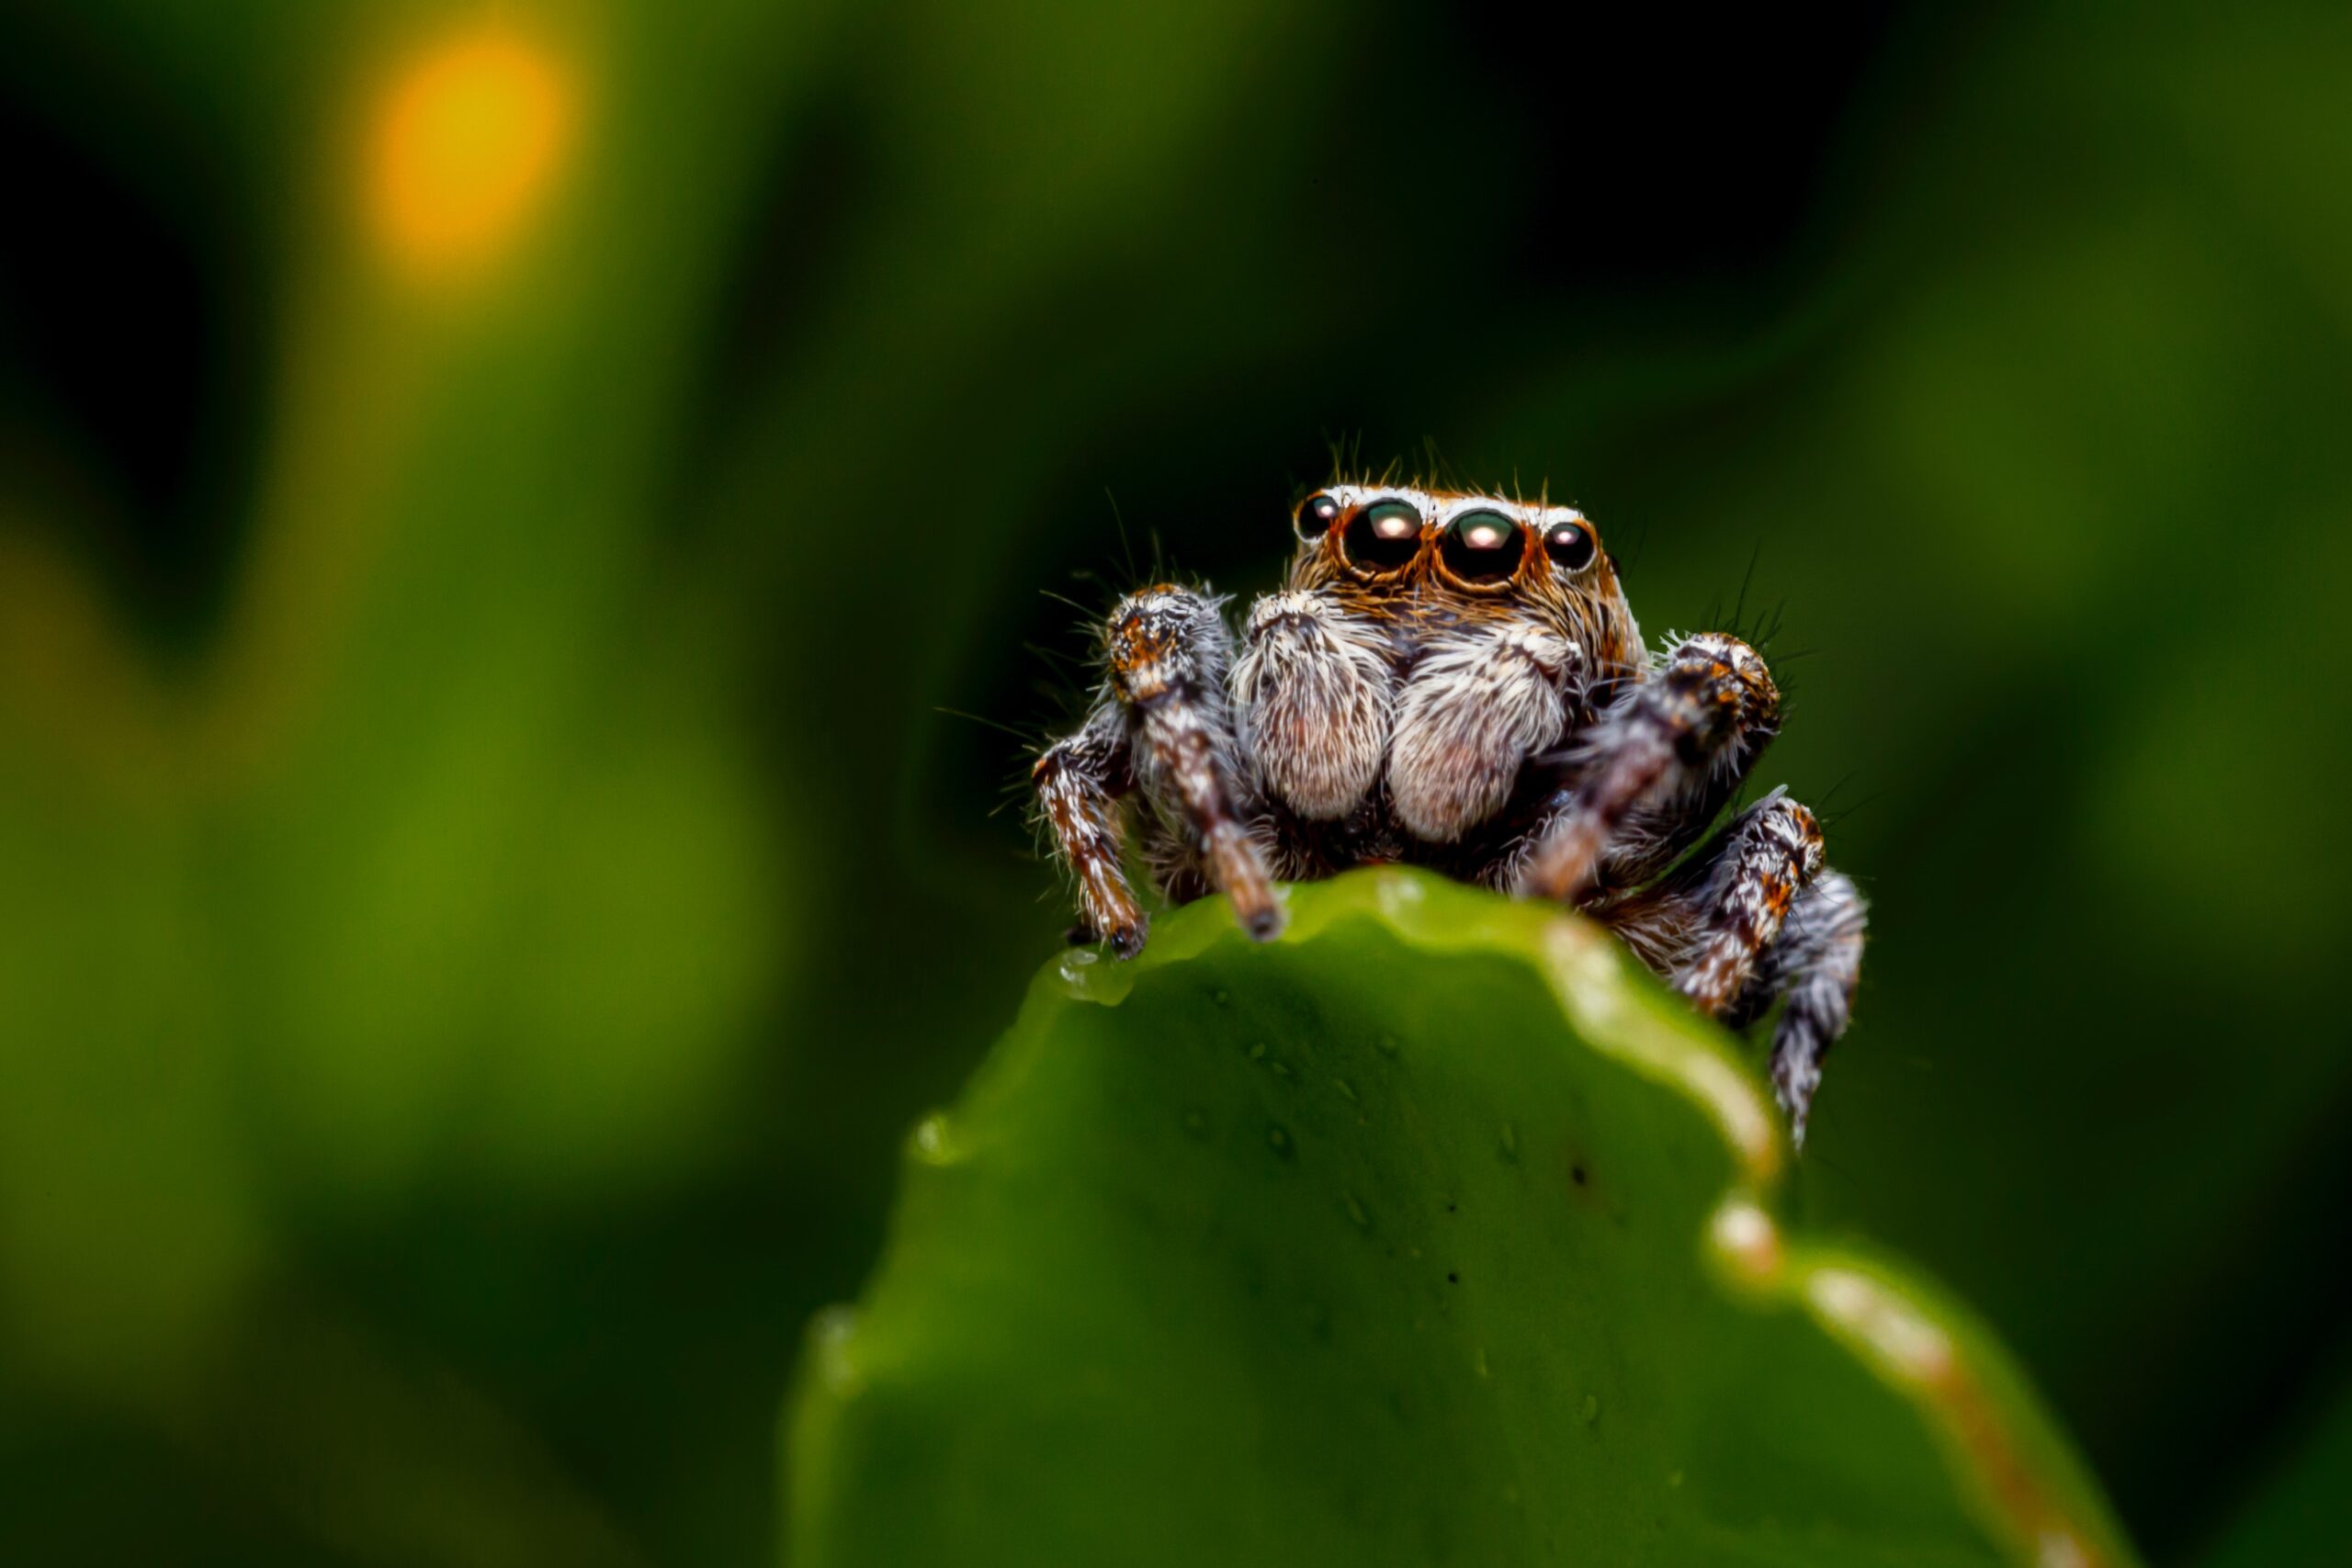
(464, 147)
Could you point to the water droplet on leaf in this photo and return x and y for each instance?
(932, 1141)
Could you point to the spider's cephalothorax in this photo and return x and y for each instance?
(1456, 680)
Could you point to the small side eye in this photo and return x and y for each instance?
(1569, 545)
(1316, 515)
(1384, 537)
(1482, 546)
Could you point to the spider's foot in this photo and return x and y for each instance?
(1263, 922)
(1236, 867)
(1793, 1083)
(1125, 940)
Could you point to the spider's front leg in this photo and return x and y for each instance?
(1755, 918)
(1768, 855)
(1654, 768)
(1080, 781)
(1169, 657)
(1161, 726)
(1815, 965)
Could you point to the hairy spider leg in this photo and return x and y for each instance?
(1755, 918)
(1651, 763)
(1169, 654)
(1080, 783)
(1768, 856)
(1816, 965)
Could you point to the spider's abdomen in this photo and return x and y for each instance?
(1473, 712)
(1313, 691)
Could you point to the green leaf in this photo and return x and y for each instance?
(1436, 1232)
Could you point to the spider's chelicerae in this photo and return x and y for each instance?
(1455, 680)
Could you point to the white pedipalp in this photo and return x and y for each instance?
(1313, 694)
(1475, 710)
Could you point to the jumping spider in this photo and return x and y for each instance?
(1455, 680)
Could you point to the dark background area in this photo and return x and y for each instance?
(491, 865)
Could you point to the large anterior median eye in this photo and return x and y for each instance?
(1569, 545)
(1316, 515)
(1384, 537)
(1482, 546)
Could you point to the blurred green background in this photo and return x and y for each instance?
(494, 501)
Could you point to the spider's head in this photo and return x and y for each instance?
(1469, 557)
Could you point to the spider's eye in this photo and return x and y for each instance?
(1569, 545)
(1316, 515)
(1482, 546)
(1384, 537)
